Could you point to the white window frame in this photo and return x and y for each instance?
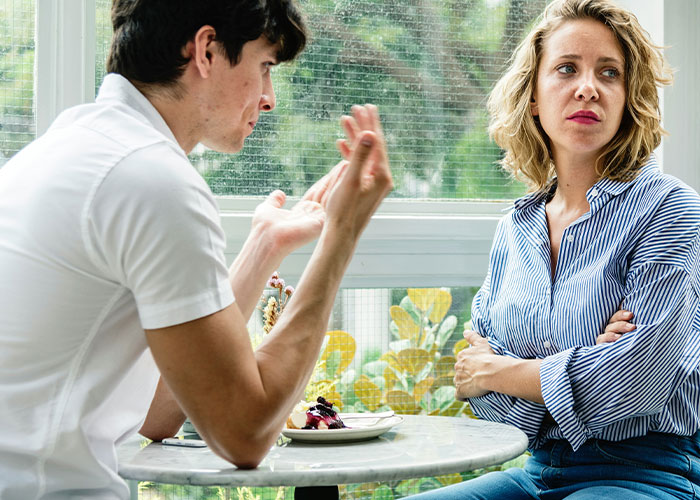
(407, 243)
(64, 60)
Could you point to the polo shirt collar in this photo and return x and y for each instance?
(117, 88)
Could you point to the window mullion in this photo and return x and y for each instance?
(65, 57)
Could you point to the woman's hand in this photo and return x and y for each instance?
(470, 363)
(619, 324)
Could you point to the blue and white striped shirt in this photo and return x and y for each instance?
(638, 247)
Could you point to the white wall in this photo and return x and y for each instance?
(674, 25)
(682, 100)
(650, 14)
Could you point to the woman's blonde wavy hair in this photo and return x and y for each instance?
(514, 129)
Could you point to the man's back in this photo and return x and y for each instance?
(87, 214)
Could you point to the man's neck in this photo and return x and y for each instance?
(178, 112)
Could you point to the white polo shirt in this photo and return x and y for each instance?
(106, 229)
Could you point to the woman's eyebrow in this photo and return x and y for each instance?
(605, 59)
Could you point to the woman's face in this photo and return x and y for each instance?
(580, 89)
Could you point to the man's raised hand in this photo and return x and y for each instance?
(366, 180)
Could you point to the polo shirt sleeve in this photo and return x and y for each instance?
(153, 227)
(587, 388)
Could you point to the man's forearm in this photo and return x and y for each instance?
(164, 417)
(251, 269)
(293, 344)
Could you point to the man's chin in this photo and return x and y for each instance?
(224, 147)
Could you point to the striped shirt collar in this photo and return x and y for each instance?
(613, 188)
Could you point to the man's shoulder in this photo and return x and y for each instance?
(114, 123)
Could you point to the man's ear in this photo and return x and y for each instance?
(199, 50)
(533, 107)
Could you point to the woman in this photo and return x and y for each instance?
(614, 415)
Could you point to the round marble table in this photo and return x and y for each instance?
(419, 446)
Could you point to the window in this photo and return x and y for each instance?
(428, 66)
(17, 124)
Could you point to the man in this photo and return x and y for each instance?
(112, 255)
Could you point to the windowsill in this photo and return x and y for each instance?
(407, 243)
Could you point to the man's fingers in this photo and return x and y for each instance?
(311, 209)
(343, 148)
(362, 116)
(335, 175)
(350, 127)
(276, 198)
(315, 192)
(319, 191)
(375, 122)
(362, 148)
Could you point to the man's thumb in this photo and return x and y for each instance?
(276, 198)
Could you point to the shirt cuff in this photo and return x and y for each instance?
(559, 399)
(496, 346)
(525, 415)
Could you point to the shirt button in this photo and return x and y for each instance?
(594, 192)
(570, 238)
(546, 344)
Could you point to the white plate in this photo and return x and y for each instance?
(359, 429)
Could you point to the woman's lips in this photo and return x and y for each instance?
(585, 117)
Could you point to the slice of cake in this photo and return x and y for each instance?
(314, 416)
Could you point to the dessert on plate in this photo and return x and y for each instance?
(311, 416)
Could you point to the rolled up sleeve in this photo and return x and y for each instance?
(588, 388)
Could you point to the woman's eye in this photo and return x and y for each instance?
(566, 69)
(611, 73)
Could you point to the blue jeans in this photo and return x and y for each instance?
(653, 467)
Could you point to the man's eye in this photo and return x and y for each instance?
(566, 69)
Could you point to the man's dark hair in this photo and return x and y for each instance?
(149, 34)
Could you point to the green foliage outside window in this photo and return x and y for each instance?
(428, 65)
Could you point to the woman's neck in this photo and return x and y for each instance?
(574, 178)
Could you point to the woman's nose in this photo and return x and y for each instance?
(586, 91)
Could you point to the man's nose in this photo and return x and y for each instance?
(267, 99)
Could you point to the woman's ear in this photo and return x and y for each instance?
(533, 107)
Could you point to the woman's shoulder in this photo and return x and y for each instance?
(651, 179)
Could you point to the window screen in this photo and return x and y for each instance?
(103, 38)
(17, 121)
(428, 65)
